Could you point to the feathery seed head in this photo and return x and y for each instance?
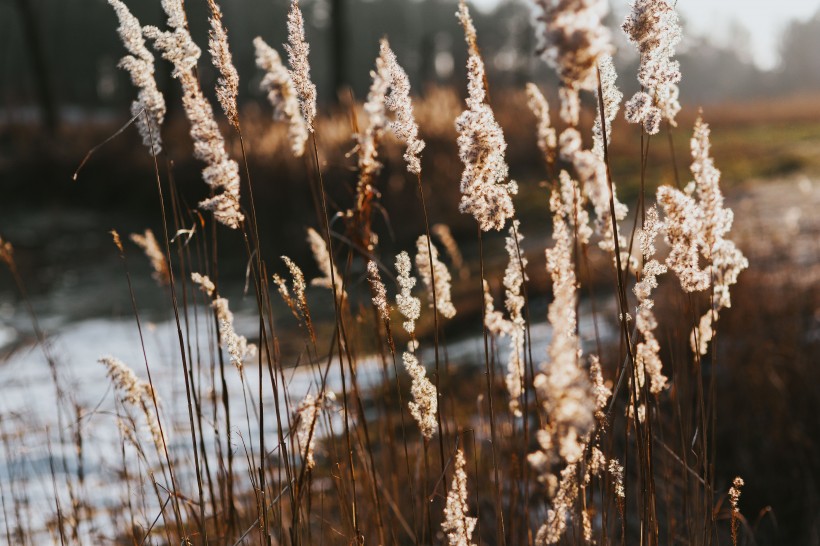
(204, 282)
(398, 101)
(409, 305)
(227, 87)
(298, 49)
(546, 132)
(318, 247)
(612, 97)
(148, 243)
(430, 266)
(140, 67)
(572, 39)
(457, 524)
(653, 27)
(221, 172)
(378, 290)
(424, 405)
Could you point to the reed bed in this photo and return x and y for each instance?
(336, 408)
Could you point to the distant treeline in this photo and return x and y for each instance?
(66, 51)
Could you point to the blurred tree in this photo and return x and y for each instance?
(36, 51)
(800, 63)
(338, 46)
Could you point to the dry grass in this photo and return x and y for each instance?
(309, 434)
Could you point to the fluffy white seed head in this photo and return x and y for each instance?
(546, 132)
(653, 27)
(429, 266)
(204, 282)
(409, 305)
(572, 39)
(282, 95)
(485, 191)
(424, 405)
(457, 524)
(221, 172)
(397, 101)
(140, 67)
(318, 247)
(298, 49)
(227, 86)
(378, 290)
(148, 243)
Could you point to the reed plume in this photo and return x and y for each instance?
(282, 95)
(319, 249)
(564, 391)
(221, 172)
(378, 290)
(457, 524)
(136, 393)
(572, 39)
(429, 267)
(237, 346)
(148, 243)
(409, 306)
(485, 191)
(514, 277)
(424, 405)
(227, 86)
(298, 49)
(538, 105)
(734, 500)
(140, 67)
(726, 261)
(647, 357)
(653, 27)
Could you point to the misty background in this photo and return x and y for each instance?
(59, 57)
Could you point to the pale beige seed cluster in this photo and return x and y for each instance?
(227, 86)
(237, 346)
(538, 105)
(204, 282)
(149, 106)
(514, 277)
(563, 388)
(299, 286)
(424, 405)
(409, 306)
(221, 172)
(306, 418)
(653, 27)
(683, 233)
(404, 125)
(318, 247)
(431, 270)
(562, 506)
(378, 290)
(612, 98)
(647, 352)
(282, 95)
(457, 524)
(298, 49)
(136, 393)
(148, 243)
(486, 193)
(726, 260)
(572, 39)
(494, 320)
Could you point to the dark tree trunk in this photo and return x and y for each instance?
(338, 44)
(36, 51)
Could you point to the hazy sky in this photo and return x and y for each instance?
(763, 19)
